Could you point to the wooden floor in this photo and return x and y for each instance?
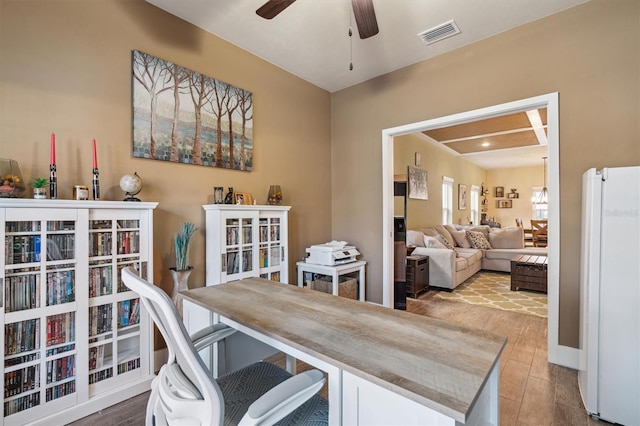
(532, 391)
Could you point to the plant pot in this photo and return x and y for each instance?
(180, 283)
(39, 193)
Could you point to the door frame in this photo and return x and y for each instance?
(557, 354)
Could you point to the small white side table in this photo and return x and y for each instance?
(334, 272)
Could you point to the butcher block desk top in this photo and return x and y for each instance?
(438, 364)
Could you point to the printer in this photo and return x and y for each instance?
(331, 253)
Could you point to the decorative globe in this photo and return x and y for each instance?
(131, 185)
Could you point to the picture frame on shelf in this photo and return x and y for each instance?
(504, 204)
(513, 195)
(462, 196)
(243, 198)
(499, 191)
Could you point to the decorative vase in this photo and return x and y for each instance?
(180, 283)
(275, 195)
(11, 183)
(39, 193)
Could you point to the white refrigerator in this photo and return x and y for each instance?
(609, 373)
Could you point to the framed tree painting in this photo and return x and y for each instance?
(184, 116)
(418, 184)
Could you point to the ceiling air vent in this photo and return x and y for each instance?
(440, 32)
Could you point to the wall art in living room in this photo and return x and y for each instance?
(462, 196)
(417, 183)
(183, 116)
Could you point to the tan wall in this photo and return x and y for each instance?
(65, 66)
(590, 54)
(438, 163)
(524, 179)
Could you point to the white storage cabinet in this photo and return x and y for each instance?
(246, 241)
(75, 339)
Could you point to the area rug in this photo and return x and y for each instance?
(493, 290)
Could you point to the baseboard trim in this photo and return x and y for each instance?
(566, 356)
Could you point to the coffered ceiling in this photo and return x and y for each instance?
(514, 140)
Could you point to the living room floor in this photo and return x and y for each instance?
(532, 391)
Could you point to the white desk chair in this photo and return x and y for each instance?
(184, 392)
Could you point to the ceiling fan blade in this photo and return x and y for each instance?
(365, 18)
(272, 8)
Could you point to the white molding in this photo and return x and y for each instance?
(557, 354)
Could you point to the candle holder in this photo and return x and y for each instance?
(96, 184)
(217, 195)
(53, 182)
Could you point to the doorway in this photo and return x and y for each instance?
(550, 101)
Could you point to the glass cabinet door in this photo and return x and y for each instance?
(238, 256)
(114, 311)
(271, 250)
(39, 312)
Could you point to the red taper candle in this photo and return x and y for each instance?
(53, 149)
(95, 155)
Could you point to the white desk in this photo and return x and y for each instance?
(334, 272)
(384, 366)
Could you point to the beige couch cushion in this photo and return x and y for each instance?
(506, 238)
(479, 228)
(415, 238)
(429, 231)
(460, 236)
(433, 242)
(442, 230)
(444, 241)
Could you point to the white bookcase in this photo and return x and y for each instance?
(75, 339)
(241, 242)
(246, 241)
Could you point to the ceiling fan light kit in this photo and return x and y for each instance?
(362, 10)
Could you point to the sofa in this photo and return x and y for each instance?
(457, 252)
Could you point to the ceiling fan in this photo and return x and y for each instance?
(362, 10)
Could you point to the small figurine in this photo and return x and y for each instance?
(228, 199)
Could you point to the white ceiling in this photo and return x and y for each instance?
(309, 38)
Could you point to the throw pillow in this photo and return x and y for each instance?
(415, 238)
(507, 238)
(461, 238)
(477, 240)
(444, 241)
(432, 242)
(443, 231)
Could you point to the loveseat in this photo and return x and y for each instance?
(456, 252)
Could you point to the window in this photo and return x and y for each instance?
(540, 210)
(447, 200)
(475, 205)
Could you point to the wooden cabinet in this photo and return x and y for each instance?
(246, 241)
(75, 339)
(417, 275)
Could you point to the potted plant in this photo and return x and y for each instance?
(39, 186)
(182, 270)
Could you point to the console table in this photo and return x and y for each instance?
(384, 366)
(334, 272)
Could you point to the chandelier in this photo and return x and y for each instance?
(543, 196)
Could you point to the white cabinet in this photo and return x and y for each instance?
(246, 241)
(75, 339)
